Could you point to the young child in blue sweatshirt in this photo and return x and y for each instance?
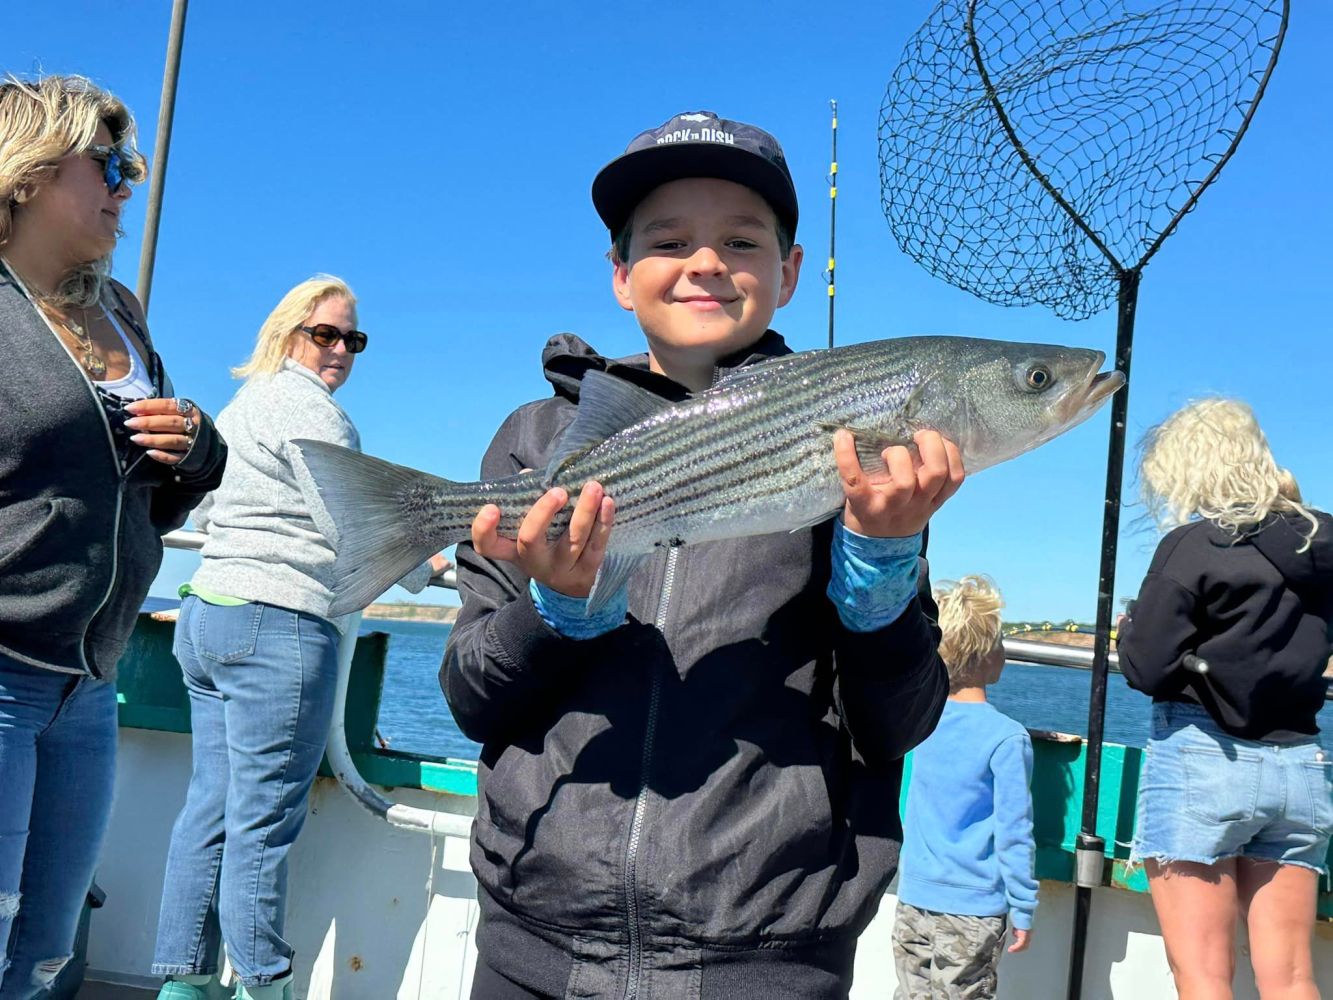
(966, 867)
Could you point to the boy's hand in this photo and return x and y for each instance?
(916, 486)
(1021, 941)
(568, 564)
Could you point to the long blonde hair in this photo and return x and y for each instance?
(970, 626)
(275, 336)
(42, 122)
(1210, 459)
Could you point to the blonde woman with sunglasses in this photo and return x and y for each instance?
(259, 652)
(98, 457)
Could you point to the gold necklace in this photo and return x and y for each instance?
(92, 364)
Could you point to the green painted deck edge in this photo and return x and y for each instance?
(152, 696)
(434, 774)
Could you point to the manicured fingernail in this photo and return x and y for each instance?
(135, 423)
(138, 438)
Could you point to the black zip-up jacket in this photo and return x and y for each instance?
(80, 540)
(1260, 613)
(704, 801)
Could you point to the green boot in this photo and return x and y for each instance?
(279, 989)
(193, 988)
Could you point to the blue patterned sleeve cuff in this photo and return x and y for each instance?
(568, 615)
(872, 579)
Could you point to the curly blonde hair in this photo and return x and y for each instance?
(275, 336)
(1211, 460)
(42, 122)
(970, 624)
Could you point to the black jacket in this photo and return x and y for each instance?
(1256, 609)
(80, 539)
(711, 786)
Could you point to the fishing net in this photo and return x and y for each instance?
(1035, 152)
(1040, 152)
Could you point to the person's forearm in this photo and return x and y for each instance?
(892, 685)
(499, 668)
(871, 580)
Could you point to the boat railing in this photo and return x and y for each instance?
(337, 752)
(1049, 654)
(369, 772)
(1046, 654)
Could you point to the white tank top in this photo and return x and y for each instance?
(138, 382)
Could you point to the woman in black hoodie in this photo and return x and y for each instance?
(1230, 635)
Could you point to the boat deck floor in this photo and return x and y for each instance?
(108, 991)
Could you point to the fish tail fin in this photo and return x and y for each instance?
(372, 512)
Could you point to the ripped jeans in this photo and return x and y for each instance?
(57, 770)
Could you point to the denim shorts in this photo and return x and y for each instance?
(1205, 795)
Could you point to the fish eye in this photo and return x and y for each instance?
(1039, 378)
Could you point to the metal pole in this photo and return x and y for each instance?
(832, 218)
(161, 149)
(1089, 854)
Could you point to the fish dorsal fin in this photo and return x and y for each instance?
(607, 405)
(870, 445)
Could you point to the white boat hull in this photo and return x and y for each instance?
(378, 913)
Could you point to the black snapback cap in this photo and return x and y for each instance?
(695, 144)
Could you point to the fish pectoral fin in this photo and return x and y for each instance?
(607, 405)
(614, 573)
(870, 445)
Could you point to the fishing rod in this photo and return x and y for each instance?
(832, 179)
(161, 149)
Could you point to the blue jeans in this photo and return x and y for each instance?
(261, 682)
(1205, 795)
(57, 771)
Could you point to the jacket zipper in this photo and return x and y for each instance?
(641, 802)
(115, 568)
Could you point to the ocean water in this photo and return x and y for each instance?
(415, 718)
(413, 713)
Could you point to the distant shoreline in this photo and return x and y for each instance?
(406, 612)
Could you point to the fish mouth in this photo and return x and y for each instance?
(1102, 385)
(1083, 400)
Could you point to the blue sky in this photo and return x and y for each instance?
(438, 157)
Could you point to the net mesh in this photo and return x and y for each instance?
(1001, 111)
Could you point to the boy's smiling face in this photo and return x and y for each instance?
(705, 274)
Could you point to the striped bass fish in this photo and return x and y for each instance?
(751, 455)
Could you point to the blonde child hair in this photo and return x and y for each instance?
(970, 625)
(1211, 460)
(285, 321)
(42, 122)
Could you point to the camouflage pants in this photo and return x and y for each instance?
(945, 956)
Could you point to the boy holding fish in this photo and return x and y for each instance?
(688, 784)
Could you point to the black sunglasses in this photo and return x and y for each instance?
(326, 335)
(112, 162)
